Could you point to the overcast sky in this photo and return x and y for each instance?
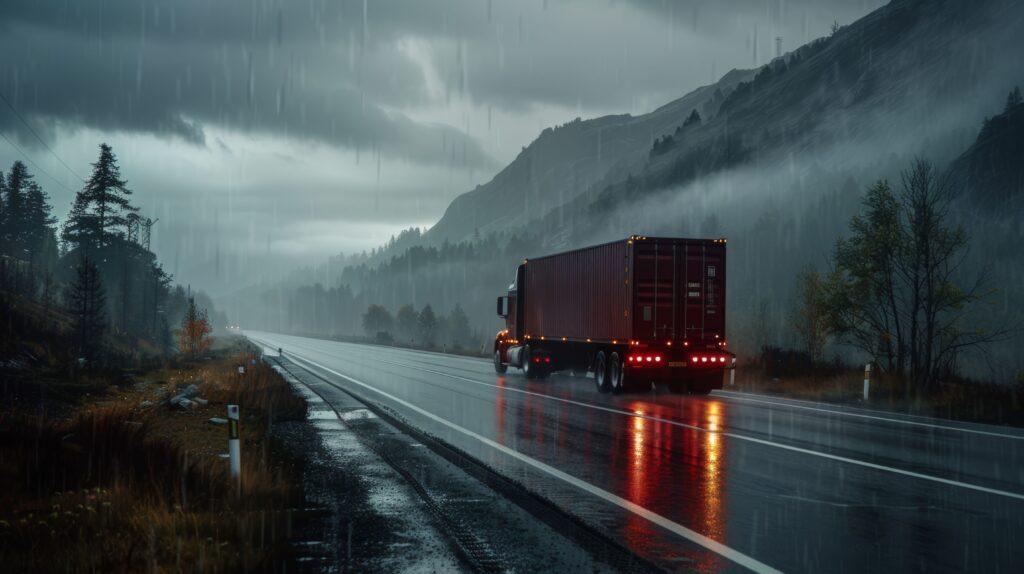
(266, 134)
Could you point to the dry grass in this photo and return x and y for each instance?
(959, 400)
(120, 486)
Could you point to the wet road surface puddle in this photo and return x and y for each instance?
(316, 415)
(357, 414)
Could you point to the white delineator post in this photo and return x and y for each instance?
(867, 381)
(234, 452)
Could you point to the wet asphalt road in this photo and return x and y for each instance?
(725, 482)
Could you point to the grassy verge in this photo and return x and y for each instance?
(122, 482)
(958, 400)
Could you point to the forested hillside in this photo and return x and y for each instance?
(93, 278)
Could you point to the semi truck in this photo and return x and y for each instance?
(634, 312)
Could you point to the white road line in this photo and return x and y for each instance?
(740, 397)
(691, 535)
(862, 463)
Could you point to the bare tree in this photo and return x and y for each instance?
(898, 291)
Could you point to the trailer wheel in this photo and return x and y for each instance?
(499, 367)
(615, 380)
(601, 373)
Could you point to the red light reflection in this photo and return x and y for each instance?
(669, 467)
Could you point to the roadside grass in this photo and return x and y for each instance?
(126, 484)
(963, 400)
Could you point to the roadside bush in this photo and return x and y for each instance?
(782, 363)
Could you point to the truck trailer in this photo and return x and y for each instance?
(634, 312)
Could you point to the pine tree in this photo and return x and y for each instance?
(428, 326)
(87, 304)
(14, 228)
(39, 222)
(692, 120)
(459, 331)
(1013, 99)
(101, 207)
(3, 192)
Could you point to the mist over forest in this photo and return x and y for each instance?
(778, 159)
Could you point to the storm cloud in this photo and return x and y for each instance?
(286, 131)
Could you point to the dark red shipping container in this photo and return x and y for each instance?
(644, 289)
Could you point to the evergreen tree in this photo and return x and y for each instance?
(39, 232)
(459, 332)
(14, 227)
(101, 207)
(87, 305)
(428, 326)
(1013, 99)
(3, 193)
(692, 120)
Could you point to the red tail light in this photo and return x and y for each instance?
(694, 358)
(657, 358)
(547, 359)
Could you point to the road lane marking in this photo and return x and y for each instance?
(676, 528)
(736, 395)
(743, 397)
(836, 457)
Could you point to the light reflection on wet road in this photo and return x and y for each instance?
(746, 474)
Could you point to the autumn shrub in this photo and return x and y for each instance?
(100, 491)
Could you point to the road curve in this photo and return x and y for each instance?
(724, 482)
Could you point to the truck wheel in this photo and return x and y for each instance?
(524, 359)
(615, 380)
(601, 373)
(499, 367)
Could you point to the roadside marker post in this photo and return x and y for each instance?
(867, 381)
(732, 377)
(234, 452)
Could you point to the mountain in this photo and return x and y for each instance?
(913, 77)
(568, 160)
(990, 174)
